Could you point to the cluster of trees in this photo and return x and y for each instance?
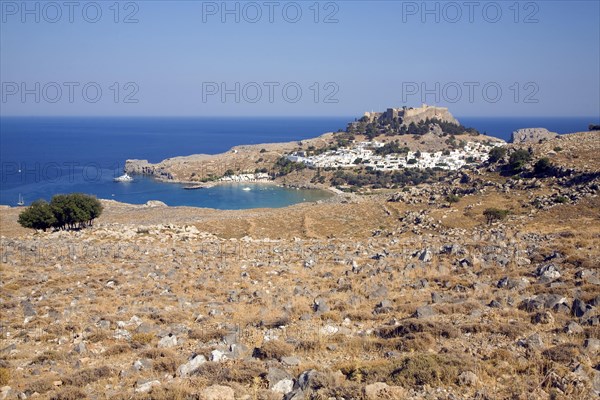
(516, 161)
(285, 166)
(396, 127)
(391, 148)
(65, 211)
(380, 179)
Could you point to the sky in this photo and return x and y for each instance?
(303, 58)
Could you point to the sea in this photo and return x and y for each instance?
(44, 156)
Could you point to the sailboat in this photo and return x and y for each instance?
(21, 202)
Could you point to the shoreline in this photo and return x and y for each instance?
(334, 193)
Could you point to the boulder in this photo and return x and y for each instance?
(468, 378)
(146, 386)
(547, 273)
(217, 392)
(168, 341)
(425, 255)
(424, 312)
(195, 361)
(280, 381)
(579, 308)
(381, 390)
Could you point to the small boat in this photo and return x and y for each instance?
(247, 189)
(124, 178)
(21, 202)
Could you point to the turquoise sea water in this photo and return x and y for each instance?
(41, 156)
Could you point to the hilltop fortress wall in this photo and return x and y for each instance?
(416, 115)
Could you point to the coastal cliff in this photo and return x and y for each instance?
(528, 135)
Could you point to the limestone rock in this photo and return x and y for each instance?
(168, 341)
(381, 390)
(218, 392)
(532, 135)
(424, 312)
(192, 365)
(146, 386)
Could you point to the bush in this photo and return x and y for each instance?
(87, 376)
(70, 211)
(494, 214)
(561, 199)
(593, 127)
(497, 154)
(68, 393)
(452, 198)
(542, 166)
(518, 159)
(427, 369)
(273, 349)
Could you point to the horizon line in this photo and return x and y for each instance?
(279, 116)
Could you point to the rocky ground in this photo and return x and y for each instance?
(382, 296)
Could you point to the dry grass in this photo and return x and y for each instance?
(87, 376)
(274, 349)
(4, 376)
(68, 393)
(263, 288)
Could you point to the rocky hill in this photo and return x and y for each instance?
(535, 135)
(410, 294)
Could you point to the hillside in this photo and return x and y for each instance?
(400, 294)
(425, 129)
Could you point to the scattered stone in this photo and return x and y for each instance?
(424, 312)
(579, 308)
(592, 345)
(168, 341)
(280, 381)
(146, 386)
(218, 392)
(381, 390)
(425, 255)
(573, 328)
(195, 361)
(544, 317)
(320, 306)
(290, 361)
(80, 348)
(468, 378)
(547, 273)
(217, 355)
(495, 304)
(383, 307)
(532, 342)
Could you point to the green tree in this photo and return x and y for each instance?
(37, 216)
(542, 166)
(518, 159)
(494, 214)
(74, 210)
(497, 154)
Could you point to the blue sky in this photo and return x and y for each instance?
(536, 59)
